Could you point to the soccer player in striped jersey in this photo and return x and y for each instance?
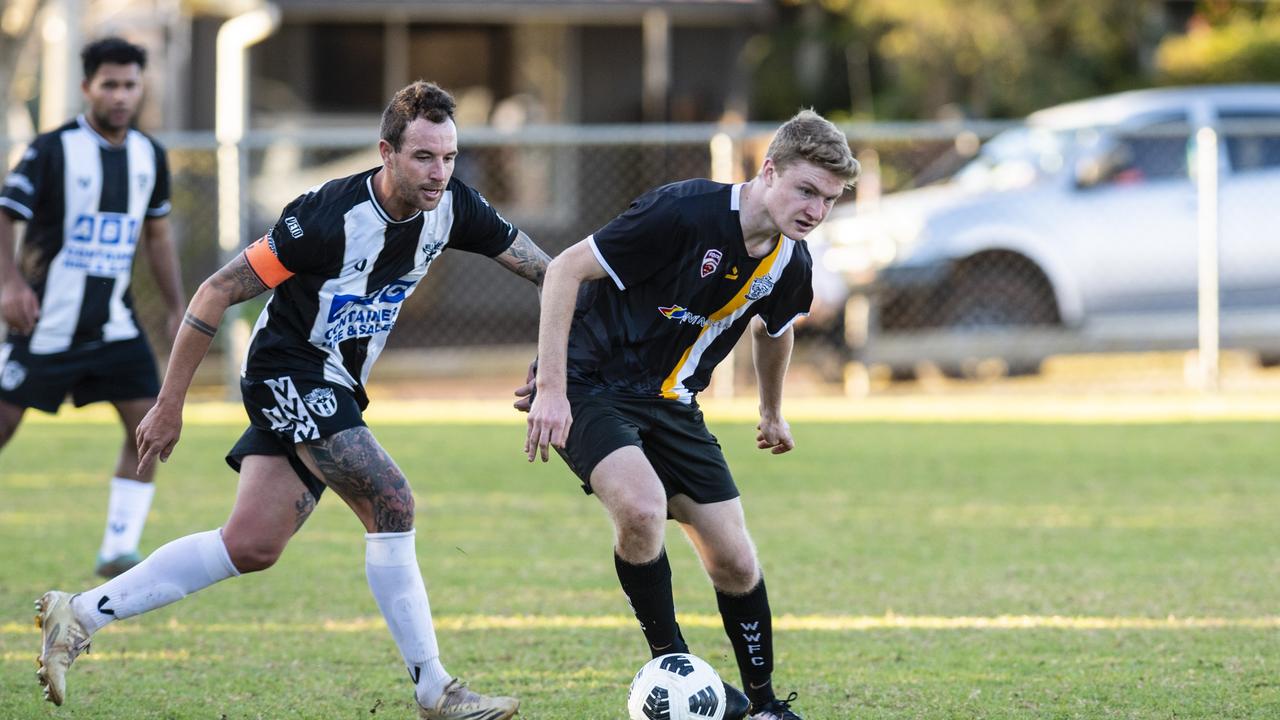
(342, 259)
(634, 319)
(92, 193)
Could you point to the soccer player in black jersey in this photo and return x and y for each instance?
(91, 193)
(342, 259)
(634, 319)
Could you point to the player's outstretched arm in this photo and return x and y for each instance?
(159, 430)
(525, 259)
(19, 305)
(549, 416)
(771, 356)
(162, 257)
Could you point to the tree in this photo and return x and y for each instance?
(1225, 42)
(990, 58)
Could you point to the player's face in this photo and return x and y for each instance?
(800, 196)
(114, 94)
(422, 168)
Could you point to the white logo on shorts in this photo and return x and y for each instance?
(290, 414)
(322, 402)
(13, 373)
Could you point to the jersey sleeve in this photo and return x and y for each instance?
(477, 227)
(790, 300)
(296, 244)
(159, 205)
(641, 241)
(28, 180)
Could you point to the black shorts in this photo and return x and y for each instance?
(284, 411)
(96, 372)
(673, 436)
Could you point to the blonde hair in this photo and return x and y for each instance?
(812, 138)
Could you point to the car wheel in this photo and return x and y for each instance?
(996, 290)
(993, 291)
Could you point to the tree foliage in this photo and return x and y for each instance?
(1226, 42)
(989, 58)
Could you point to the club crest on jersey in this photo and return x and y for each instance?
(680, 314)
(760, 287)
(321, 401)
(12, 375)
(432, 249)
(711, 261)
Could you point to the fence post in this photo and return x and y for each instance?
(232, 116)
(724, 169)
(1207, 236)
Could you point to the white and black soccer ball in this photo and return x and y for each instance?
(678, 686)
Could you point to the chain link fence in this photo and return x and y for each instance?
(972, 250)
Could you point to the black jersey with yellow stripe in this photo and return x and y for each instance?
(680, 291)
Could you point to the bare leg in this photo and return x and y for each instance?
(10, 417)
(719, 534)
(361, 472)
(356, 467)
(268, 510)
(131, 413)
(129, 501)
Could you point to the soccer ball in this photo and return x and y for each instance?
(678, 686)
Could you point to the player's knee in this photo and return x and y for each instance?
(639, 528)
(394, 513)
(251, 556)
(734, 572)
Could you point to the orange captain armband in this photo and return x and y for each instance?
(262, 259)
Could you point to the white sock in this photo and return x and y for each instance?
(391, 564)
(127, 510)
(169, 574)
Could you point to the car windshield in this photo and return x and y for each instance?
(1015, 158)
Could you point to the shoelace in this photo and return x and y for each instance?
(778, 707)
(460, 693)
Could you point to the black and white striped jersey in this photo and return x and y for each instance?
(84, 201)
(342, 268)
(680, 291)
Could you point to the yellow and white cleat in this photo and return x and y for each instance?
(64, 639)
(460, 703)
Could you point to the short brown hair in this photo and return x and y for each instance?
(809, 136)
(420, 99)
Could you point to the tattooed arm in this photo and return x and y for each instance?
(158, 432)
(525, 259)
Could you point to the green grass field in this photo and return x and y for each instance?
(916, 570)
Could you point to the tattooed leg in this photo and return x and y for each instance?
(356, 467)
(271, 505)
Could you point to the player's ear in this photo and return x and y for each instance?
(385, 150)
(768, 171)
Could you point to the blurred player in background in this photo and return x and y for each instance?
(634, 319)
(342, 259)
(91, 193)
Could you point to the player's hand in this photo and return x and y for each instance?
(19, 306)
(775, 433)
(549, 421)
(524, 393)
(157, 435)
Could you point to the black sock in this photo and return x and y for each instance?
(749, 625)
(648, 589)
